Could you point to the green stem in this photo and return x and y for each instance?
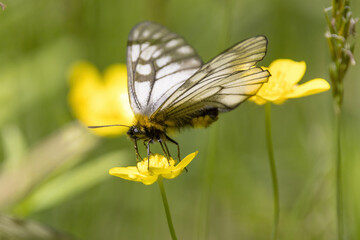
(339, 197)
(272, 168)
(167, 209)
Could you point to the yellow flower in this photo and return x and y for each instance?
(100, 100)
(160, 166)
(283, 83)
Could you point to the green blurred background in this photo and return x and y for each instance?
(54, 172)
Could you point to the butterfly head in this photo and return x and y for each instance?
(138, 132)
(146, 129)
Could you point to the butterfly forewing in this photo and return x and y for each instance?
(223, 83)
(159, 62)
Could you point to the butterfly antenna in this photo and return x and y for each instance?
(113, 125)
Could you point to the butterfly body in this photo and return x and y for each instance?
(170, 88)
(154, 129)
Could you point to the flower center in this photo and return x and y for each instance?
(157, 161)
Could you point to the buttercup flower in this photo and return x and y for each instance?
(159, 166)
(100, 100)
(283, 83)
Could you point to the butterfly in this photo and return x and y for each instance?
(170, 88)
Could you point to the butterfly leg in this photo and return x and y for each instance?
(168, 152)
(148, 152)
(173, 141)
(146, 144)
(165, 150)
(178, 147)
(137, 151)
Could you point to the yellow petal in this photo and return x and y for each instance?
(284, 74)
(97, 100)
(82, 71)
(270, 91)
(183, 163)
(180, 167)
(84, 80)
(258, 100)
(280, 100)
(287, 70)
(148, 180)
(132, 174)
(311, 87)
(116, 75)
(128, 173)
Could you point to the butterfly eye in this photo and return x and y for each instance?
(132, 131)
(135, 130)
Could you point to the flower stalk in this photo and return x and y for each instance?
(341, 40)
(339, 179)
(166, 207)
(270, 149)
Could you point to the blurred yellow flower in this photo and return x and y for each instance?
(160, 166)
(283, 83)
(100, 100)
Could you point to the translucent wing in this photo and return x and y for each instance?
(159, 62)
(223, 83)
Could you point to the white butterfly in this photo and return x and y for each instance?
(170, 88)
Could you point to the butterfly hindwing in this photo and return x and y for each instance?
(159, 62)
(222, 84)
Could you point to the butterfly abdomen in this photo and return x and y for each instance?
(205, 118)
